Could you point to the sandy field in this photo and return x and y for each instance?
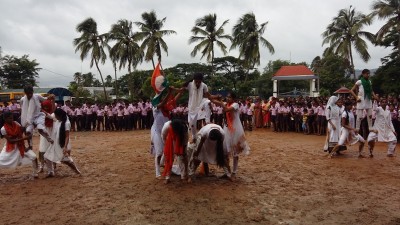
(286, 179)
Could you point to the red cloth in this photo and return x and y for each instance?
(169, 106)
(14, 131)
(47, 106)
(229, 119)
(172, 146)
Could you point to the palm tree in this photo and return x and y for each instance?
(247, 36)
(78, 78)
(90, 42)
(125, 50)
(152, 36)
(344, 32)
(209, 35)
(387, 9)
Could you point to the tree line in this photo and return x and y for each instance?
(128, 44)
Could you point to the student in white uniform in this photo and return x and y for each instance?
(175, 137)
(348, 134)
(32, 116)
(161, 114)
(364, 97)
(14, 153)
(197, 91)
(208, 147)
(60, 150)
(235, 140)
(383, 130)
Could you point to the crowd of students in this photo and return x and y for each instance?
(216, 125)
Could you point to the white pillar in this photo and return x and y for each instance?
(275, 88)
(313, 90)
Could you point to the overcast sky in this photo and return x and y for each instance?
(45, 29)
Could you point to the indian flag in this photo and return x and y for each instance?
(159, 84)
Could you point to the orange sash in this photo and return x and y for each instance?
(170, 148)
(14, 131)
(229, 119)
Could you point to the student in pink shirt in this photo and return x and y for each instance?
(100, 118)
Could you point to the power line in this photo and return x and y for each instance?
(57, 73)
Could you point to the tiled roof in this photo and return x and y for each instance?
(342, 90)
(298, 70)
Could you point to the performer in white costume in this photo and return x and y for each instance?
(332, 113)
(208, 147)
(348, 134)
(383, 130)
(32, 116)
(197, 91)
(60, 150)
(364, 97)
(14, 153)
(235, 140)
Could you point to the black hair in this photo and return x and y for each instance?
(28, 89)
(348, 103)
(216, 135)
(180, 128)
(62, 115)
(233, 95)
(365, 71)
(198, 76)
(7, 114)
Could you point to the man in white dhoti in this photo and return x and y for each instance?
(197, 91)
(383, 130)
(364, 97)
(32, 115)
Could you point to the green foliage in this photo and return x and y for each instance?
(324, 92)
(333, 73)
(207, 34)
(387, 78)
(17, 72)
(91, 43)
(247, 37)
(345, 33)
(152, 35)
(231, 69)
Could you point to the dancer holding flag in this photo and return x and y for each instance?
(161, 114)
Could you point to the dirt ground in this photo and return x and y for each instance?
(286, 179)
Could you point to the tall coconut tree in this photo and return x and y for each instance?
(93, 44)
(207, 33)
(152, 35)
(78, 78)
(126, 50)
(247, 36)
(390, 10)
(345, 32)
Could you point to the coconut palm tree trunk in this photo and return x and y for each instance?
(352, 63)
(212, 63)
(102, 80)
(115, 83)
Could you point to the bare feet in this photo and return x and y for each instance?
(361, 156)
(371, 155)
(167, 181)
(189, 180)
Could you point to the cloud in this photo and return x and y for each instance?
(45, 29)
